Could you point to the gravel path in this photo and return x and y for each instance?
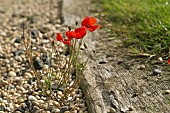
(18, 89)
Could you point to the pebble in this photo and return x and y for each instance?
(60, 93)
(6, 61)
(141, 67)
(12, 74)
(18, 52)
(39, 111)
(16, 79)
(160, 59)
(55, 110)
(18, 112)
(32, 98)
(112, 110)
(16, 105)
(37, 97)
(2, 56)
(44, 41)
(63, 109)
(70, 98)
(3, 82)
(27, 75)
(50, 102)
(57, 26)
(18, 40)
(5, 94)
(166, 92)
(156, 71)
(4, 101)
(1, 99)
(57, 104)
(35, 103)
(44, 106)
(38, 64)
(8, 109)
(124, 109)
(11, 106)
(20, 100)
(18, 58)
(36, 108)
(40, 101)
(69, 112)
(34, 34)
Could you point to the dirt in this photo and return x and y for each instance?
(112, 82)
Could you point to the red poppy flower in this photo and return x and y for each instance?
(80, 32)
(60, 38)
(90, 23)
(70, 34)
(169, 61)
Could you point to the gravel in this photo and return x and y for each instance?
(18, 86)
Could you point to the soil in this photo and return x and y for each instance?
(114, 81)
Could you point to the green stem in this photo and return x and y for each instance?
(76, 58)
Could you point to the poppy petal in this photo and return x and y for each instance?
(169, 61)
(92, 21)
(67, 42)
(80, 32)
(80, 35)
(85, 21)
(92, 28)
(70, 34)
(59, 37)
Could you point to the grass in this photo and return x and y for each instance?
(146, 23)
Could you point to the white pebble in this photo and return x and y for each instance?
(32, 98)
(11, 106)
(55, 110)
(16, 79)
(57, 104)
(69, 98)
(59, 93)
(12, 74)
(6, 61)
(160, 59)
(40, 101)
(112, 110)
(27, 75)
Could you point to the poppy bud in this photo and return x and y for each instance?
(93, 51)
(52, 42)
(23, 25)
(85, 45)
(76, 23)
(69, 27)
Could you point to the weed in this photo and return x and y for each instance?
(145, 22)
